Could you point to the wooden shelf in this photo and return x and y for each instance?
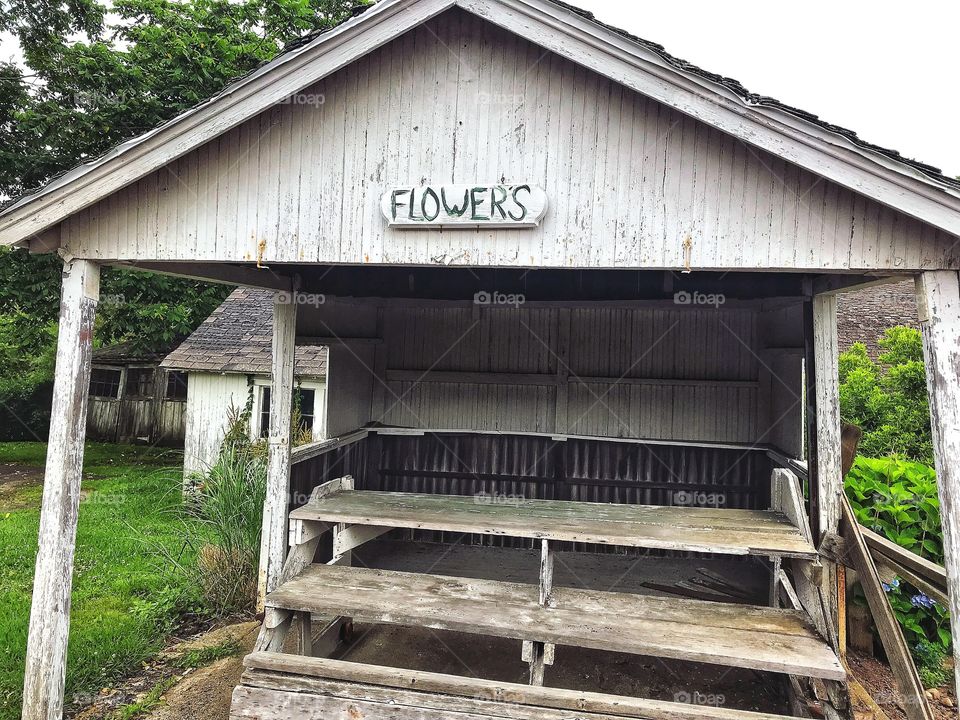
(733, 635)
(692, 529)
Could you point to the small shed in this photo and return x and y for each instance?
(133, 399)
(579, 300)
(226, 363)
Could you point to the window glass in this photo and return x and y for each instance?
(264, 411)
(104, 382)
(176, 385)
(140, 382)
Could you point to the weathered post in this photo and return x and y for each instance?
(46, 663)
(938, 301)
(274, 534)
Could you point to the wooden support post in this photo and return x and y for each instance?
(827, 455)
(938, 301)
(46, 662)
(274, 534)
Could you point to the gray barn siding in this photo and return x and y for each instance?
(628, 180)
(652, 371)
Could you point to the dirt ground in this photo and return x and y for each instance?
(13, 478)
(201, 693)
(877, 679)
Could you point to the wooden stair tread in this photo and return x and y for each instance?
(691, 529)
(735, 635)
(265, 668)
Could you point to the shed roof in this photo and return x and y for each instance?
(831, 151)
(237, 338)
(129, 352)
(863, 315)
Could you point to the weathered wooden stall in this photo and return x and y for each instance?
(580, 304)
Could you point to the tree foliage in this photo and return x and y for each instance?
(887, 398)
(94, 75)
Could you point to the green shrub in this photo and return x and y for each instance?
(887, 399)
(930, 659)
(898, 499)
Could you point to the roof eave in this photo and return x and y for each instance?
(546, 23)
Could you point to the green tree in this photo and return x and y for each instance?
(888, 398)
(91, 80)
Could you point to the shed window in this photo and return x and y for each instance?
(176, 385)
(105, 383)
(265, 411)
(140, 382)
(306, 400)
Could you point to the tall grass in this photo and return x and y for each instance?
(227, 507)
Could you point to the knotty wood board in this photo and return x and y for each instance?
(693, 529)
(277, 669)
(737, 635)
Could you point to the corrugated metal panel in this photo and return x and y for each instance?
(508, 468)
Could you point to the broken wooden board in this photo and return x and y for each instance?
(747, 636)
(908, 682)
(690, 529)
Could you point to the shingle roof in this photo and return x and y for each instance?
(237, 338)
(863, 315)
(128, 352)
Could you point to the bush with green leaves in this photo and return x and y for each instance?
(887, 398)
(898, 499)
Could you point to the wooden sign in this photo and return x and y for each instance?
(464, 206)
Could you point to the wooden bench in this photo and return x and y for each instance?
(542, 615)
(693, 529)
(747, 636)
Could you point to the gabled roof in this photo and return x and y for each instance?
(238, 337)
(833, 152)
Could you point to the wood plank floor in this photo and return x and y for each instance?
(734, 635)
(691, 529)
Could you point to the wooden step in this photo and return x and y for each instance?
(400, 693)
(734, 635)
(692, 529)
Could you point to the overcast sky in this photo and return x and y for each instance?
(885, 69)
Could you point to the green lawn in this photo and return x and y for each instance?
(125, 597)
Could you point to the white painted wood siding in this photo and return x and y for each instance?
(209, 397)
(461, 101)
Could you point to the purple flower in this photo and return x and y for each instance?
(892, 585)
(922, 601)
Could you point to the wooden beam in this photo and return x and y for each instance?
(905, 673)
(222, 273)
(46, 661)
(274, 534)
(270, 665)
(938, 301)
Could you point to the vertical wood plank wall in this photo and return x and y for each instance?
(209, 397)
(628, 180)
(654, 372)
